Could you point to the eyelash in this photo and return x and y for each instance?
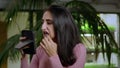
(49, 23)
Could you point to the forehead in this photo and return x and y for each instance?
(47, 15)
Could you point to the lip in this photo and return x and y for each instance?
(45, 33)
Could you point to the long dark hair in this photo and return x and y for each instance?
(67, 34)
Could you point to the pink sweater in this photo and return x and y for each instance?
(41, 59)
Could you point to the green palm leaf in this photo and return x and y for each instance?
(84, 13)
(8, 49)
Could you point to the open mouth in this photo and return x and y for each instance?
(45, 33)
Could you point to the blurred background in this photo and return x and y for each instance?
(98, 21)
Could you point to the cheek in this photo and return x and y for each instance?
(52, 33)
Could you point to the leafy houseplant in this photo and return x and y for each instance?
(83, 14)
(86, 14)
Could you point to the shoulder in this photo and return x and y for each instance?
(80, 46)
(80, 49)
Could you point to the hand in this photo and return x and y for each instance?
(23, 54)
(49, 46)
(21, 50)
(22, 38)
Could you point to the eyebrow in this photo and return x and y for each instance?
(47, 20)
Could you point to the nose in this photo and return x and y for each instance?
(44, 26)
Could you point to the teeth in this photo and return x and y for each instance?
(46, 33)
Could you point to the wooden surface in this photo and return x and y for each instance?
(3, 37)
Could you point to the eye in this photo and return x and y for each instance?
(49, 23)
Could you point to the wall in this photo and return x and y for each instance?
(17, 25)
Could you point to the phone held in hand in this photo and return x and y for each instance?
(27, 45)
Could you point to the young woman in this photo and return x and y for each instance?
(60, 46)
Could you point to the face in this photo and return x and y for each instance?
(47, 25)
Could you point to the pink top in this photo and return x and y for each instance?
(41, 59)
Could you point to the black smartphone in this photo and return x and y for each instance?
(27, 45)
(28, 34)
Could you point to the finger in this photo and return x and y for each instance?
(26, 47)
(42, 45)
(49, 38)
(46, 39)
(44, 42)
(22, 38)
(21, 51)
